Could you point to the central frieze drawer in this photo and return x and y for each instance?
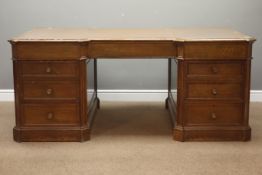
(51, 114)
(214, 90)
(50, 90)
(213, 114)
(131, 49)
(50, 68)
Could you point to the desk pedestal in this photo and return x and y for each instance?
(208, 93)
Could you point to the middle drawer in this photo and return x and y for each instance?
(214, 90)
(50, 89)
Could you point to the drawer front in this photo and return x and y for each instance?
(50, 90)
(222, 50)
(51, 114)
(215, 69)
(50, 68)
(131, 49)
(48, 50)
(214, 90)
(213, 114)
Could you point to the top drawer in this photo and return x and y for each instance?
(49, 68)
(223, 69)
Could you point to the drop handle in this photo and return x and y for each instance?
(214, 91)
(49, 91)
(48, 70)
(214, 69)
(213, 116)
(50, 116)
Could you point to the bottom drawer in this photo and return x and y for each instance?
(213, 114)
(50, 114)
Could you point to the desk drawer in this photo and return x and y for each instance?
(50, 114)
(213, 114)
(131, 49)
(50, 90)
(224, 69)
(49, 68)
(215, 90)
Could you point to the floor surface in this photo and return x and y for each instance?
(130, 138)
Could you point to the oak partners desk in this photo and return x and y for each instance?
(55, 80)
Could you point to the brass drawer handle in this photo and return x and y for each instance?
(214, 91)
(50, 116)
(48, 70)
(213, 116)
(49, 91)
(214, 69)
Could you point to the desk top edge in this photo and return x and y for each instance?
(167, 34)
